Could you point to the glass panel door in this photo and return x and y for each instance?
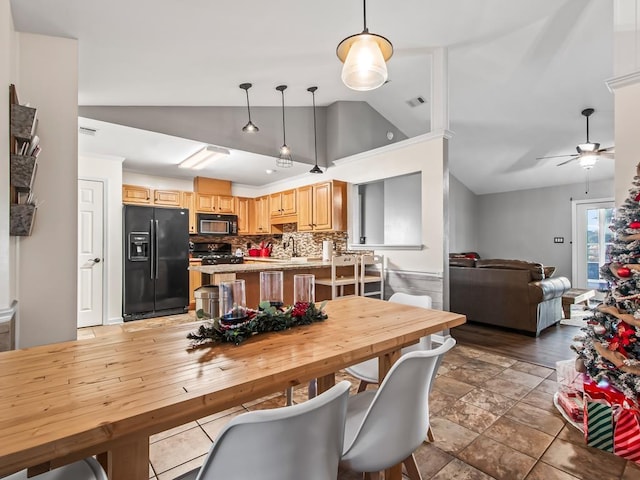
(592, 238)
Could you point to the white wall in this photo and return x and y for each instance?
(48, 80)
(109, 171)
(157, 183)
(627, 119)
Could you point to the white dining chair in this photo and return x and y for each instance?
(367, 371)
(303, 441)
(87, 469)
(385, 426)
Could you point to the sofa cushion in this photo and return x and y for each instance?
(536, 269)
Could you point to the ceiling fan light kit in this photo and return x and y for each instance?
(250, 127)
(364, 56)
(284, 159)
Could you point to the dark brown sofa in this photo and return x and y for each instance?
(507, 293)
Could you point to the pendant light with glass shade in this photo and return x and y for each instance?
(284, 159)
(364, 56)
(250, 126)
(316, 168)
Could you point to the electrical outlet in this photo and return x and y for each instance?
(558, 239)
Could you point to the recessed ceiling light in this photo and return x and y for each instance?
(269, 171)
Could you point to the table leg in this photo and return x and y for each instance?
(127, 461)
(384, 365)
(325, 383)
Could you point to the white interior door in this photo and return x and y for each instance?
(90, 252)
(591, 236)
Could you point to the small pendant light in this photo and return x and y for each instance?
(364, 56)
(284, 159)
(316, 168)
(250, 126)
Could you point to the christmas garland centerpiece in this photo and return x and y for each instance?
(267, 318)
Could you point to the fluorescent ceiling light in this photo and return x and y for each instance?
(203, 157)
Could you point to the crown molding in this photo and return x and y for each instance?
(623, 81)
(436, 135)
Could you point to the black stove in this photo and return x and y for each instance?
(214, 253)
(220, 259)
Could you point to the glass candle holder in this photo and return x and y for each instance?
(304, 288)
(233, 301)
(271, 288)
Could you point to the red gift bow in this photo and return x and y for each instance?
(603, 390)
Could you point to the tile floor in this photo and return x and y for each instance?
(493, 418)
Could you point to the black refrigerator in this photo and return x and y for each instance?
(156, 262)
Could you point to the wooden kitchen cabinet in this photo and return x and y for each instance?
(207, 203)
(195, 281)
(262, 215)
(244, 209)
(167, 198)
(188, 201)
(322, 207)
(283, 204)
(136, 194)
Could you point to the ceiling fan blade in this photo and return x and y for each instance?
(570, 160)
(558, 156)
(610, 149)
(610, 155)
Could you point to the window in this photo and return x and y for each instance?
(389, 212)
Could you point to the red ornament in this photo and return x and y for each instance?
(635, 225)
(623, 272)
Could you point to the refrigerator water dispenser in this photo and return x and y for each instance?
(138, 246)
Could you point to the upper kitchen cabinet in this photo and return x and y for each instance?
(262, 215)
(167, 198)
(136, 194)
(208, 203)
(322, 207)
(283, 207)
(188, 201)
(244, 210)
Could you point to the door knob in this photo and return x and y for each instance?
(95, 260)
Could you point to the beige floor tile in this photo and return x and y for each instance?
(430, 459)
(183, 468)
(213, 428)
(173, 431)
(178, 449)
(451, 386)
(541, 399)
(584, 462)
(465, 373)
(506, 388)
(532, 369)
(521, 378)
(490, 401)
(470, 416)
(514, 434)
(459, 470)
(263, 399)
(465, 351)
(152, 474)
(571, 434)
(499, 360)
(542, 471)
(536, 418)
(449, 436)
(548, 385)
(496, 459)
(277, 401)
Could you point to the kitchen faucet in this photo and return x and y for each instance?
(291, 241)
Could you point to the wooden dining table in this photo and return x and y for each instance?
(106, 396)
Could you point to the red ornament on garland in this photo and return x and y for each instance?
(635, 225)
(623, 272)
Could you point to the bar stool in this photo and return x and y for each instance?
(372, 276)
(341, 280)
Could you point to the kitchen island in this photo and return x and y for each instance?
(250, 273)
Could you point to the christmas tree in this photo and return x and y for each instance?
(609, 346)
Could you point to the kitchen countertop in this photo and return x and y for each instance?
(260, 266)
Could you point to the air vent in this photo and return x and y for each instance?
(87, 131)
(416, 102)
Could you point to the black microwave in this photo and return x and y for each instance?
(220, 225)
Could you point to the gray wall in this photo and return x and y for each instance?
(463, 217)
(354, 127)
(522, 224)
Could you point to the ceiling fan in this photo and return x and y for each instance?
(589, 152)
